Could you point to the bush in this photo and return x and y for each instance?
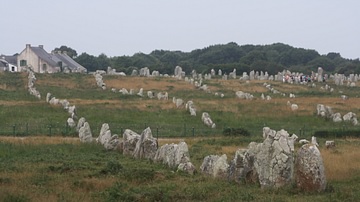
(236, 132)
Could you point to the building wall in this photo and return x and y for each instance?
(33, 61)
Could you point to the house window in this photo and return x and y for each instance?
(44, 67)
(22, 63)
(13, 69)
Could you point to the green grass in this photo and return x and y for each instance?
(86, 172)
(56, 171)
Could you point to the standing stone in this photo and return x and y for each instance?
(105, 134)
(309, 169)
(146, 146)
(175, 156)
(71, 123)
(130, 138)
(215, 166)
(236, 167)
(80, 123)
(140, 93)
(48, 97)
(112, 143)
(206, 119)
(85, 133)
(178, 72)
(274, 161)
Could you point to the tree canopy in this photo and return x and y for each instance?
(69, 51)
(271, 58)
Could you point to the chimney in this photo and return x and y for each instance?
(28, 45)
(41, 46)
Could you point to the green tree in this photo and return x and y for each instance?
(103, 61)
(87, 61)
(69, 51)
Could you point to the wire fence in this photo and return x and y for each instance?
(158, 130)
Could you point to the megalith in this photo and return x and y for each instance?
(85, 134)
(309, 169)
(130, 138)
(215, 166)
(146, 146)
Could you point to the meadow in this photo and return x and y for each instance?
(41, 159)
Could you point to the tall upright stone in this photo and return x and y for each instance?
(309, 169)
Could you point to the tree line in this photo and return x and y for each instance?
(245, 58)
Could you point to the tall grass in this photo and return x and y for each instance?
(86, 172)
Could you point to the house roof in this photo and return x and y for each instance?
(41, 53)
(68, 61)
(2, 63)
(12, 59)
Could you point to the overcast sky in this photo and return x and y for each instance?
(118, 27)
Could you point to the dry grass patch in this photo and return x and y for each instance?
(19, 103)
(341, 163)
(39, 140)
(158, 84)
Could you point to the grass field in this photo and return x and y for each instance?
(42, 160)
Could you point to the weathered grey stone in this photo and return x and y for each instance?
(150, 94)
(294, 107)
(309, 169)
(130, 138)
(105, 134)
(274, 161)
(163, 96)
(324, 111)
(179, 102)
(351, 117)
(54, 101)
(215, 166)
(175, 156)
(146, 146)
(336, 117)
(178, 72)
(48, 97)
(80, 123)
(71, 109)
(85, 134)
(187, 167)
(206, 119)
(242, 95)
(236, 167)
(329, 144)
(70, 122)
(140, 93)
(65, 103)
(112, 143)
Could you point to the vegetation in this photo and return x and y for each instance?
(244, 58)
(42, 160)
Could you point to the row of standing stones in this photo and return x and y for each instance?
(272, 163)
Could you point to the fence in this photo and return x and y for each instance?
(169, 130)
